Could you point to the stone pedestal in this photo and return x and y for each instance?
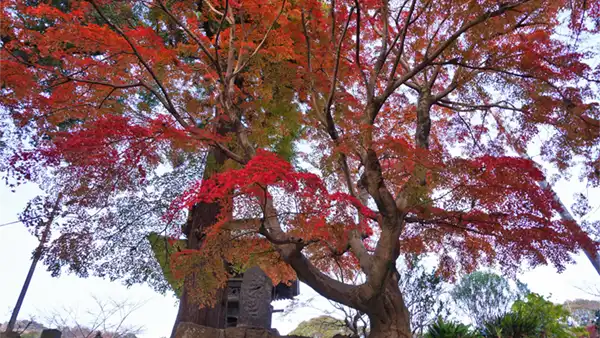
(9, 335)
(191, 330)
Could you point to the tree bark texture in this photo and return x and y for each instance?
(388, 315)
(203, 215)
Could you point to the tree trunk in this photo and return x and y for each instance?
(563, 211)
(388, 315)
(566, 215)
(591, 253)
(202, 216)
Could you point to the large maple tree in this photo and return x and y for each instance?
(412, 116)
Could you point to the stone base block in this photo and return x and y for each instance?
(191, 330)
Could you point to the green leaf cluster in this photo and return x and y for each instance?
(532, 317)
(485, 296)
(162, 251)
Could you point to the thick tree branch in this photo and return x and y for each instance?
(323, 284)
(424, 103)
(290, 249)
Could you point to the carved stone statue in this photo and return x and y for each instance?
(255, 299)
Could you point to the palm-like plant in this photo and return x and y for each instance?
(514, 325)
(450, 329)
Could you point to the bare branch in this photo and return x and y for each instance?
(106, 97)
(109, 318)
(472, 107)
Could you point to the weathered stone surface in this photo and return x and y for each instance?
(51, 333)
(255, 300)
(243, 332)
(191, 330)
(9, 335)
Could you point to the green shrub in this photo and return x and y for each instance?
(450, 329)
(513, 325)
(531, 318)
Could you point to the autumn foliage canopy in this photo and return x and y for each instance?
(355, 131)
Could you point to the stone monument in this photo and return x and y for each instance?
(255, 300)
(249, 309)
(234, 291)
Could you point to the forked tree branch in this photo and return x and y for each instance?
(402, 37)
(334, 79)
(169, 104)
(392, 86)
